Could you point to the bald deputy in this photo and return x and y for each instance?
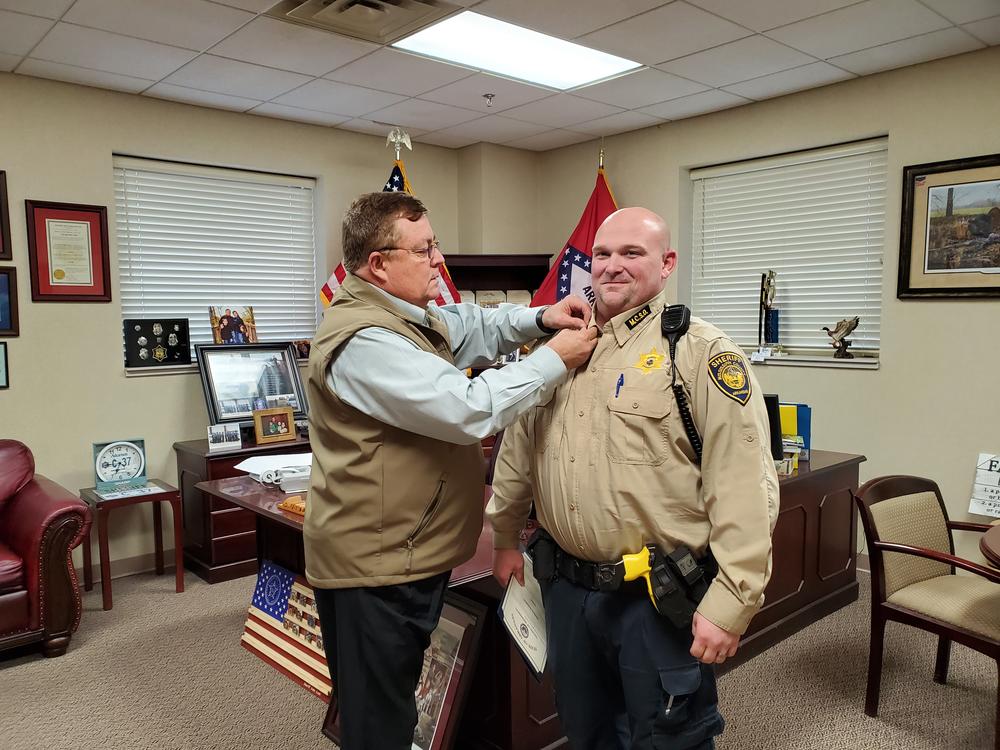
(610, 467)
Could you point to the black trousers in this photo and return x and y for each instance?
(624, 676)
(375, 640)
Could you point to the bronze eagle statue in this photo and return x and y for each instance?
(839, 335)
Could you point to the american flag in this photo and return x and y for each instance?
(282, 628)
(397, 182)
(570, 274)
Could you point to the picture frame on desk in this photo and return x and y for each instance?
(950, 229)
(449, 665)
(273, 425)
(68, 252)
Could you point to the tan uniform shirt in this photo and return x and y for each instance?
(610, 468)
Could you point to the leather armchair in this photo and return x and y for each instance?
(40, 524)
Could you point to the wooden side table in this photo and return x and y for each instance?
(102, 508)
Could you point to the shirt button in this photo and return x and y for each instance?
(580, 413)
(593, 369)
(580, 546)
(572, 507)
(748, 438)
(572, 458)
(635, 404)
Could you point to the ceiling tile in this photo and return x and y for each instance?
(338, 98)
(663, 34)
(964, 11)
(550, 139)
(380, 129)
(267, 41)
(620, 123)
(761, 15)
(270, 109)
(494, 129)
(633, 90)
(860, 26)
(988, 30)
(8, 62)
(254, 6)
(562, 110)
(192, 24)
(60, 72)
(425, 115)
(787, 81)
(46, 8)
(469, 92)
(911, 51)
(19, 33)
(553, 18)
(747, 58)
(101, 50)
(204, 98)
(446, 139)
(398, 72)
(210, 73)
(698, 104)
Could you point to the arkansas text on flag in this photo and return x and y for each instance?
(570, 274)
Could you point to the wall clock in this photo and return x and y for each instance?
(118, 464)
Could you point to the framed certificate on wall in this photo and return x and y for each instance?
(68, 252)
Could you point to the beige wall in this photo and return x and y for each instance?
(498, 200)
(68, 388)
(931, 407)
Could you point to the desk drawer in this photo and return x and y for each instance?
(233, 521)
(223, 468)
(229, 549)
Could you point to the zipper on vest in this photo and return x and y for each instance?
(424, 520)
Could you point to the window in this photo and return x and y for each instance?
(816, 218)
(190, 237)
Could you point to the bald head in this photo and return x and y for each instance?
(631, 262)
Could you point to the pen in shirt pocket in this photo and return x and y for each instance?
(621, 382)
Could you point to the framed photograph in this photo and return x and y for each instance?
(233, 324)
(6, 251)
(236, 378)
(4, 366)
(8, 302)
(68, 252)
(156, 342)
(449, 664)
(950, 229)
(274, 425)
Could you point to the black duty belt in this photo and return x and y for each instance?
(596, 576)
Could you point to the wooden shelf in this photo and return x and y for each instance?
(495, 271)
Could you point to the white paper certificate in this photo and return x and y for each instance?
(523, 615)
(69, 252)
(986, 489)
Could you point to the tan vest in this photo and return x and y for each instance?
(385, 505)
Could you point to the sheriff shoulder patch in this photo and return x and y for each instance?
(729, 373)
(636, 319)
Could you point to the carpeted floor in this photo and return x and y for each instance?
(165, 670)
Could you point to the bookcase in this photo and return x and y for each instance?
(493, 271)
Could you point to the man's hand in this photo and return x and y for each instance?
(574, 347)
(712, 644)
(505, 562)
(569, 312)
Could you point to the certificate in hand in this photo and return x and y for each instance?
(523, 615)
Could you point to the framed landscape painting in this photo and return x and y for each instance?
(950, 229)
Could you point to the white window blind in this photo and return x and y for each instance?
(190, 237)
(816, 218)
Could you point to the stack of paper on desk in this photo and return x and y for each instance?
(265, 469)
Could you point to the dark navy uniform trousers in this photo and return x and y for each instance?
(625, 678)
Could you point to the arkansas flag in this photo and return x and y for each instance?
(570, 273)
(397, 183)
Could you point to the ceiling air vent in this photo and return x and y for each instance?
(379, 21)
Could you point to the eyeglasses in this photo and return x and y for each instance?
(424, 253)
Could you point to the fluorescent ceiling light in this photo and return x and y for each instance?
(478, 41)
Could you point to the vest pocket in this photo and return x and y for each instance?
(637, 428)
(425, 519)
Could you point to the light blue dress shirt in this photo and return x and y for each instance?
(388, 377)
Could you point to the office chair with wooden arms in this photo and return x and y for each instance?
(913, 577)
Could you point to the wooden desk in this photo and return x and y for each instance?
(989, 545)
(102, 508)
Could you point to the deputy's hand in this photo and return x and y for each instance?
(506, 562)
(712, 644)
(574, 347)
(569, 312)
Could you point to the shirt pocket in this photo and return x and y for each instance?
(638, 432)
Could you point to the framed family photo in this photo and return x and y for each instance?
(274, 425)
(950, 229)
(449, 663)
(68, 252)
(8, 302)
(6, 251)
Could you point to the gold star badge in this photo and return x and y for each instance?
(651, 360)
